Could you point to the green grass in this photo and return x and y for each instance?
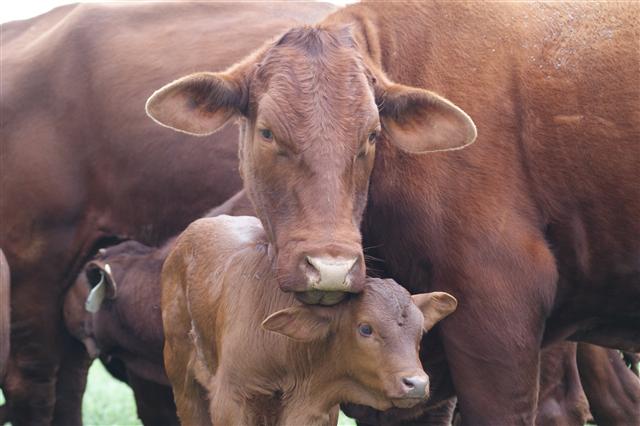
(108, 401)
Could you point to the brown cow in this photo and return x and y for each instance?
(534, 227)
(218, 286)
(82, 166)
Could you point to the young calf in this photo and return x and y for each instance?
(219, 294)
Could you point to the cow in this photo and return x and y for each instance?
(219, 291)
(533, 227)
(83, 168)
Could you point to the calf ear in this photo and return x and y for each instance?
(97, 272)
(434, 306)
(198, 104)
(300, 323)
(420, 121)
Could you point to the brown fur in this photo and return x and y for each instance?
(74, 82)
(5, 314)
(218, 287)
(612, 402)
(127, 330)
(534, 226)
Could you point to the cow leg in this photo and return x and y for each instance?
(35, 356)
(154, 402)
(561, 399)
(492, 342)
(71, 383)
(612, 389)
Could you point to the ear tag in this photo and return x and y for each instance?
(96, 296)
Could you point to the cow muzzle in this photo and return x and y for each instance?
(329, 273)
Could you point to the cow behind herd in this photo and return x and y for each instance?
(532, 228)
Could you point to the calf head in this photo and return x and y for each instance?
(312, 107)
(94, 286)
(372, 339)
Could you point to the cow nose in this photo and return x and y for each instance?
(327, 273)
(415, 386)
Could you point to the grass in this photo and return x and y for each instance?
(109, 402)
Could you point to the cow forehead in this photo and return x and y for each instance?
(328, 90)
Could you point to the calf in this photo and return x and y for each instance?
(218, 286)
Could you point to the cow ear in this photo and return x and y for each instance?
(419, 121)
(301, 323)
(198, 104)
(435, 307)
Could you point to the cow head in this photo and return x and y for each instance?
(311, 109)
(373, 339)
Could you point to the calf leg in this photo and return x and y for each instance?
(612, 389)
(492, 342)
(154, 402)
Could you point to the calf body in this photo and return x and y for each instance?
(218, 288)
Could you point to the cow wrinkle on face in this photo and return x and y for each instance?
(96, 296)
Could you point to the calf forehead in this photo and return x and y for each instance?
(388, 301)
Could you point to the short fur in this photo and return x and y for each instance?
(217, 289)
(74, 83)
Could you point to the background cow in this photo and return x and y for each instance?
(83, 167)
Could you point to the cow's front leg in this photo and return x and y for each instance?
(35, 357)
(492, 342)
(71, 383)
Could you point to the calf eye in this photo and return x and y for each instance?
(266, 135)
(365, 330)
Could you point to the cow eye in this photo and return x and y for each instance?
(373, 137)
(266, 135)
(365, 330)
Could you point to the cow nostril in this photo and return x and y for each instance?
(408, 383)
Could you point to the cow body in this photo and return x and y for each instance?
(74, 83)
(218, 286)
(534, 225)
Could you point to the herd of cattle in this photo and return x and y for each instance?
(470, 165)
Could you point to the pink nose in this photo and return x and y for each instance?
(326, 273)
(415, 386)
